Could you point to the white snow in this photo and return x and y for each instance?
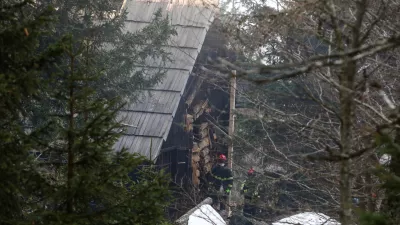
(385, 159)
(206, 215)
(307, 218)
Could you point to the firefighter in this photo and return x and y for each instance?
(221, 178)
(251, 190)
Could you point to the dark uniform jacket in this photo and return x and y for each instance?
(221, 176)
(251, 189)
(257, 191)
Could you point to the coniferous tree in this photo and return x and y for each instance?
(121, 56)
(21, 64)
(392, 185)
(69, 106)
(89, 182)
(389, 142)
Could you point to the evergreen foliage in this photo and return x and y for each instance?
(392, 182)
(119, 57)
(20, 67)
(64, 74)
(87, 182)
(390, 177)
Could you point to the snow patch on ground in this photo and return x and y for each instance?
(206, 215)
(307, 218)
(385, 159)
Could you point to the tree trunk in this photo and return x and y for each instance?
(347, 77)
(346, 115)
(71, 139)
(232, 103)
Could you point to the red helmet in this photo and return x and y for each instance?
(222, 157)
(250, 171)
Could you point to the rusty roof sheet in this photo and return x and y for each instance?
(149, 119)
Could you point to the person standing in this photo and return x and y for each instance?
(221, 181)
(251, 191)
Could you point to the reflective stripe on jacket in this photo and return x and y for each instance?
(222, 176)
(250, 189)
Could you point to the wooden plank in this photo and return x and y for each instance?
(204, 133)
(183, 77)
(157, 124)
(143, 123)
(195, 147)
(141, 145)
(204, 143)
(193, 93)
(151, 126)
(137, 120)
(147, 120)
(169, 100)
(195, 157)
(167, 122)
(197, 108)
(203, 126)
(156, 101)
(174, 80)
(207, 159)
(208, 167)
(205, 152)
(231, 128)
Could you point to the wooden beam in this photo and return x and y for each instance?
(231, 128)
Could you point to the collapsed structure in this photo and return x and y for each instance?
(168, 123)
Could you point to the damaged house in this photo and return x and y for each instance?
(173, 123)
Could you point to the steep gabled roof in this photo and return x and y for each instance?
(151, 117)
